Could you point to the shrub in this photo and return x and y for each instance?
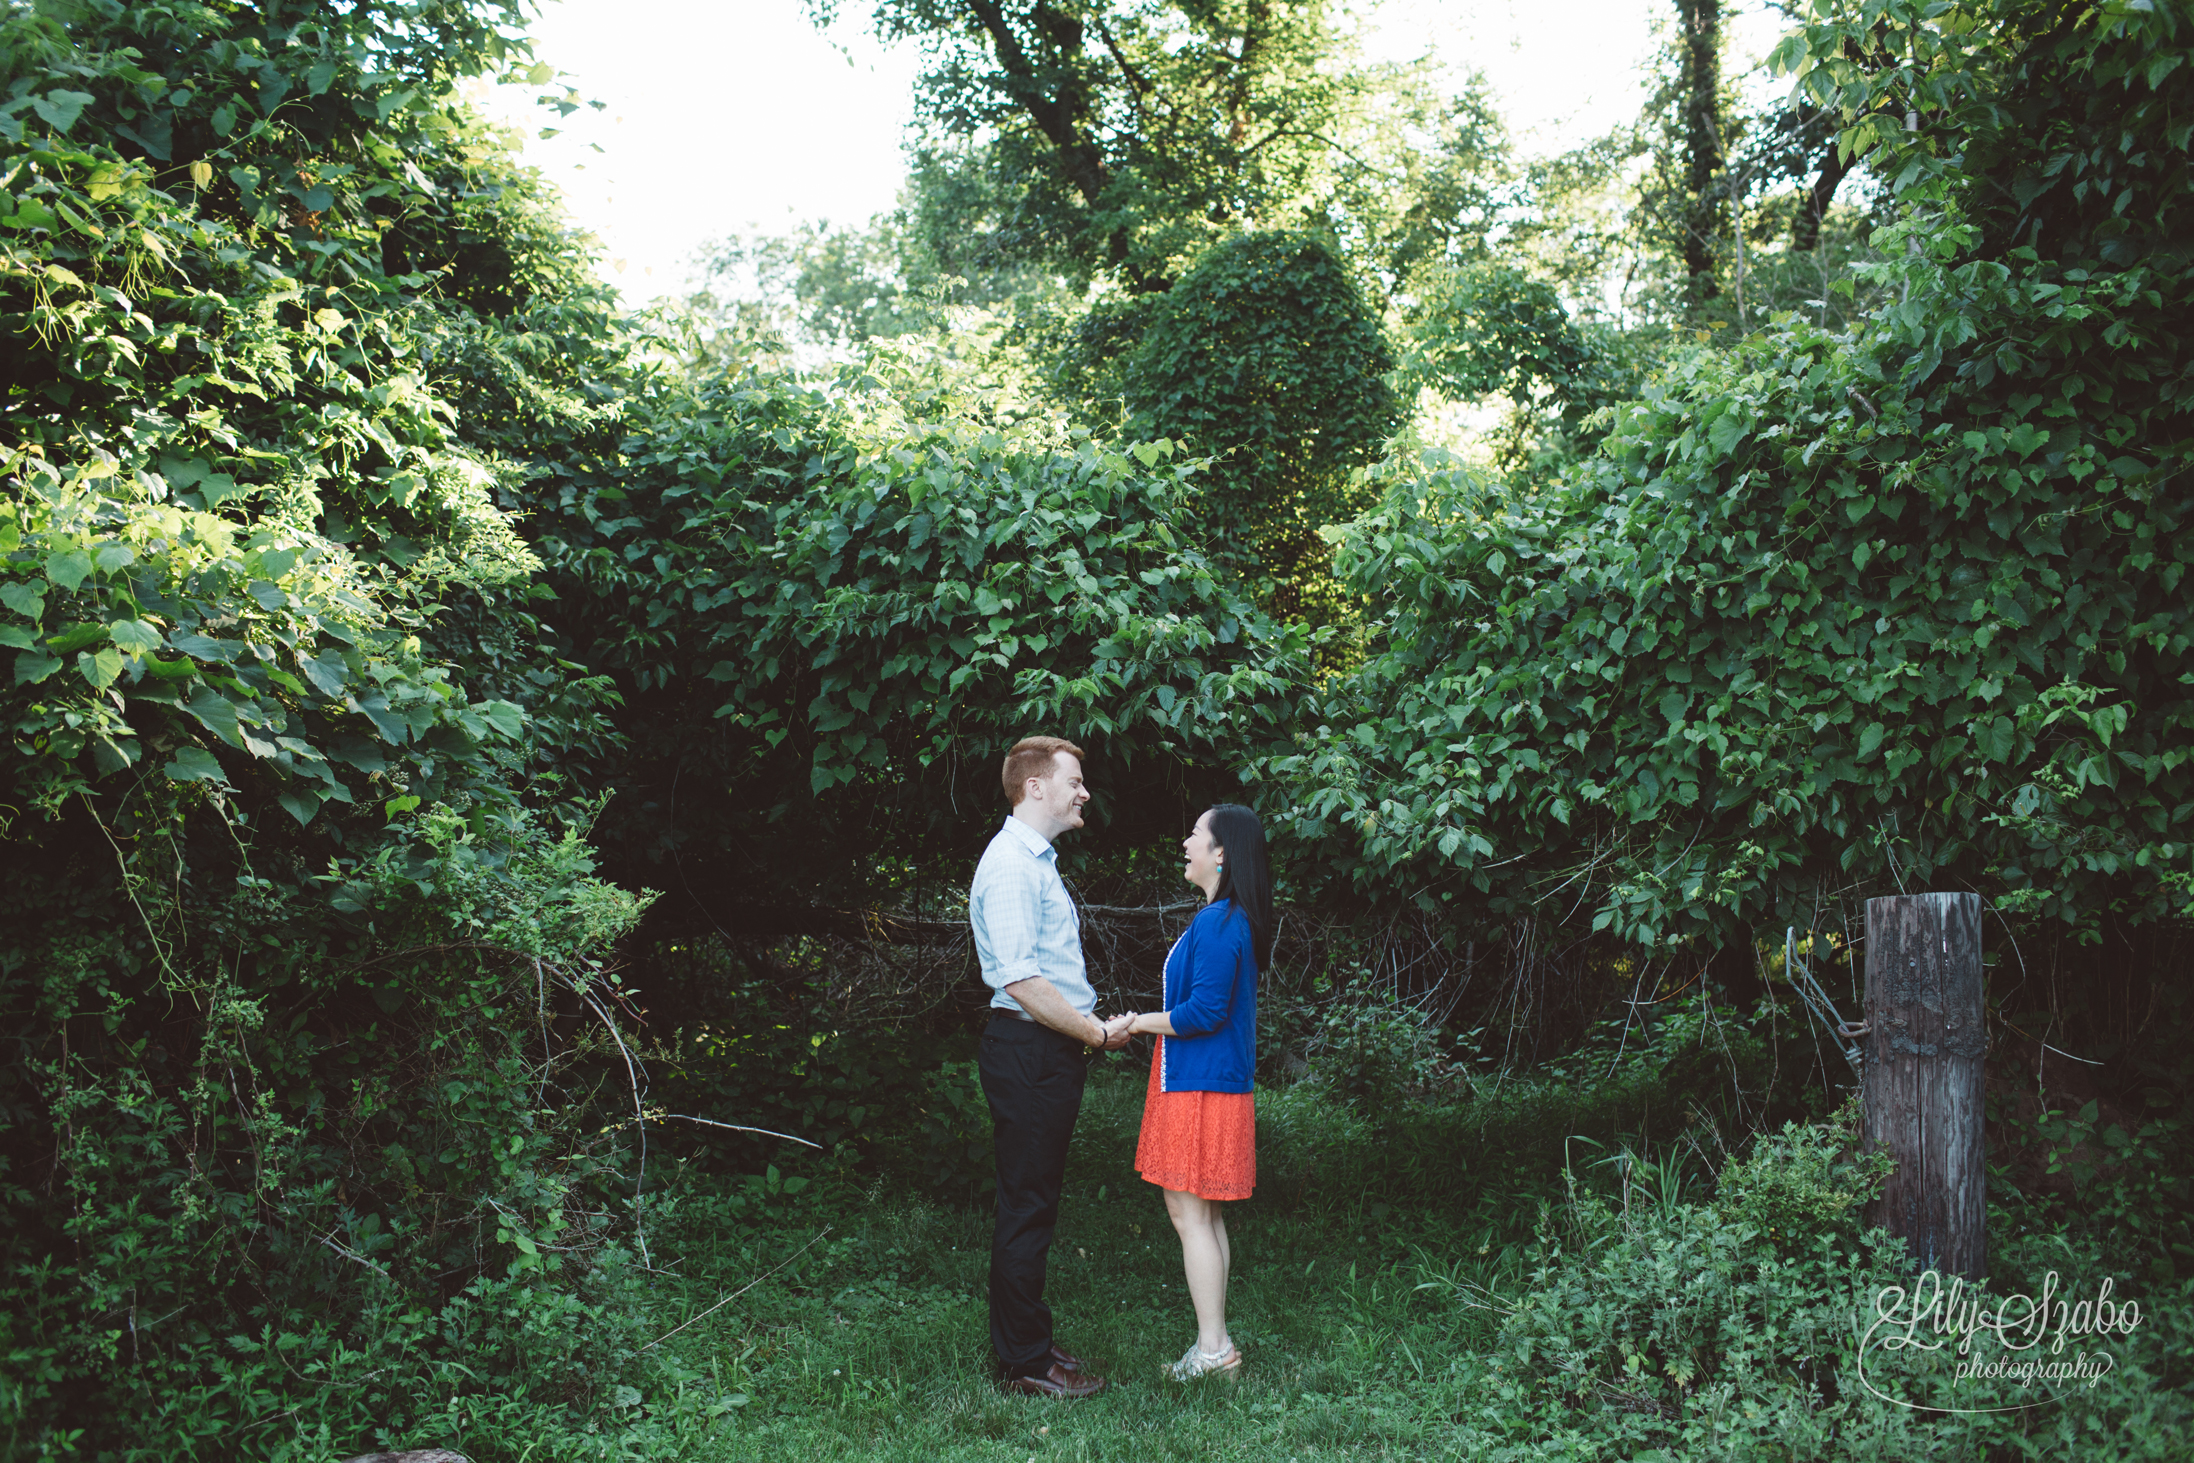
(1733, 1329)
(1682, 1331)
(337, 1181)
(1371, 1050)
(1808, 1181)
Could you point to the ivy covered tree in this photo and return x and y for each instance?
(1266, 356)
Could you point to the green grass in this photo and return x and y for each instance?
(875, 1343)
(1356, 1269)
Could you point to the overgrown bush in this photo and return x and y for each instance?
(1804, 1182)
(1682, 684)
(328, 1155)
(1734, 1329)
(1373, 1050)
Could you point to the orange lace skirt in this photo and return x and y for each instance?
(1204, 1143)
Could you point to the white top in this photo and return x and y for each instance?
(1024, 920)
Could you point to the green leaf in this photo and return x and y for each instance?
(26, 597)
(1727, 431)
(326, 672)
(100, 668)
(217, 714)
(134, 637)
(18, 636)
(504, 716)
(216, 488)
(195, 764)
(299, 803)
(60, 109)
(112, 754)
(386, 720)
(33, 666)
(68, 568)
(360, 752)
(76, 637)
(220, 652)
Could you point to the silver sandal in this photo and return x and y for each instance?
(1196, 1362)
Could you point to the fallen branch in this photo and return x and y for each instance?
(639, 1110)
(742, 1290)
(737, 1128)
(350, 1254)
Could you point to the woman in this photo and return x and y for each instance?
(1199, 1140)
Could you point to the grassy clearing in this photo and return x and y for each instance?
(1432, 1285)
(875, 1344)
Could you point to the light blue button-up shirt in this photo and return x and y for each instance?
(1025, 922)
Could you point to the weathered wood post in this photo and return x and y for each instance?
(1923, 1098)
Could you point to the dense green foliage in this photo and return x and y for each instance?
(1827, 610)
(820, 607)
(296, 1086)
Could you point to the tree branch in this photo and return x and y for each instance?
(1060, 118)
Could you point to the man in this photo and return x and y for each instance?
(1034, 1056)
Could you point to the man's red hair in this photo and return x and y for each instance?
(1031, 757)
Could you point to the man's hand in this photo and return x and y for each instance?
(1042, 1001)
(1116, 1031)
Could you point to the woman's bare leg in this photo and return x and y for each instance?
(1204, 1257)
(1226, 1268)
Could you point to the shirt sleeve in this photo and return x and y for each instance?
(1208, 977)
(1009, 911)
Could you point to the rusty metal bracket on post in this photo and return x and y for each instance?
(1816, 1000)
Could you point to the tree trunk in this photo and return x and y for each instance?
(1923, 1091)
(1805, 234)
(1700, 22)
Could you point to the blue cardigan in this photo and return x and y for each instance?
(1211, 996)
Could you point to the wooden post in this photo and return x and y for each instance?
(1922, 1095)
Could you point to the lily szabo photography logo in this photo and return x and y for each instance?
(1984, 1353)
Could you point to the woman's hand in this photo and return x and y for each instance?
(1118, 1029)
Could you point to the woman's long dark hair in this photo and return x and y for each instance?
(1245, 875)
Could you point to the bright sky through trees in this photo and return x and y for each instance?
(724, 114)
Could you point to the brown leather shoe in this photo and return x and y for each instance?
(1058, 1357)
(1057, 1381)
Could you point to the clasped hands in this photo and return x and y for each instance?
(1117, 1031)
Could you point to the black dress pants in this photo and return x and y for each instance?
(1033, 1079)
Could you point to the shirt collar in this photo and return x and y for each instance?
(1037, 845)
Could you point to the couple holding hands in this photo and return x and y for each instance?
(1199, 1139)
